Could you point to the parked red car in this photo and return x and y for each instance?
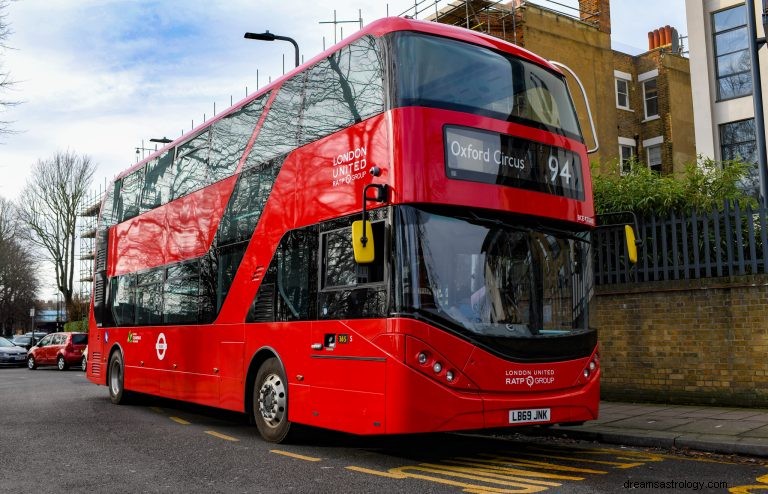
(59, 349)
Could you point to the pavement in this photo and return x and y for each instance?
(742, 431)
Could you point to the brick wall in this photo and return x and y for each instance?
(688, 342)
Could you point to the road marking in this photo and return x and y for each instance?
(751, 489)
(493, 473)
(222, 436)
(389, 474)
(179, 420)
(157, 410)
(519, 462)
(294, 455)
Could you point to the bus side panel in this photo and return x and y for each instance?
(347, 376)
(230, 365)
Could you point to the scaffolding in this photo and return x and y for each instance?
(88, 217)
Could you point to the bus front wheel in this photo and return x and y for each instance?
(270, 402)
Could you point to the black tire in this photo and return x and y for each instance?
(61, 364)
(115, 378)
(270, 402)
(84, 364)
(31, 364)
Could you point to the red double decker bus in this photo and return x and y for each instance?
(393, 238)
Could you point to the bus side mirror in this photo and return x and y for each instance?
(362, 242)
(629, 235)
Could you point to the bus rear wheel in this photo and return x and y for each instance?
(270, 402)
(117, 393)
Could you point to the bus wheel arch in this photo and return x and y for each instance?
(267, 396)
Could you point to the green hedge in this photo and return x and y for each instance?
(704, 185)
(76, 326)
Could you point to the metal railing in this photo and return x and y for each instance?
(723, 242)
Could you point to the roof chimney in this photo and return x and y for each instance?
(663, 37)
(597, 12)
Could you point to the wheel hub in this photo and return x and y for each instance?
(272, 400)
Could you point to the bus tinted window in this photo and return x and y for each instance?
(246, 203)
(128, 203)
(191, 166)
(181, 294)
(230, 137)
(343, 89)
(480, 81)
(122, 299)
(149, 297)
(280, 132)
(156, 189)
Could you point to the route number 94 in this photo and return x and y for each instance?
(555, 170)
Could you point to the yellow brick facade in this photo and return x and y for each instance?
(690, 342)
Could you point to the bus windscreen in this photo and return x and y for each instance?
(480, 81)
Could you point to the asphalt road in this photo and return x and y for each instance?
(60, 433)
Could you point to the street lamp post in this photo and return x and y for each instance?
(757, 97)
(267, 36)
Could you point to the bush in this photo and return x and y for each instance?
(76, 326)
(705, 185)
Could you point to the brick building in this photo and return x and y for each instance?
(642, 104)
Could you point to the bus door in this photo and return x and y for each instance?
(347, 381)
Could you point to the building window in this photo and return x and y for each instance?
(738, 141)
(654, 157)
(731, 42)
(626, 156)
(653, 152)
(622, 94)
(651, 98)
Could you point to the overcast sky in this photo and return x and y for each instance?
(99, 76)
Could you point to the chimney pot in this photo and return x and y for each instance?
(656, 39)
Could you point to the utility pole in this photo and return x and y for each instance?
(755, 44)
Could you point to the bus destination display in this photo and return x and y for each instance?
(490, 157)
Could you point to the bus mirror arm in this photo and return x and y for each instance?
(380, 196)
(586, 103)
(361, 230)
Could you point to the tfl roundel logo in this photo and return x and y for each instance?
(161, 346)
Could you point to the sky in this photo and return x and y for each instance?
(102, 77)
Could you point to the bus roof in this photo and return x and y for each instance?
(377, 28)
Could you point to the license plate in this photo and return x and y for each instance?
(529, 416)
(21, 357)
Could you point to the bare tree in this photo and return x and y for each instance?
(5, 80)
(49, 206)
(18, 282)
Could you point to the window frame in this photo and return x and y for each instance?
(626, 82)
(716, 56)
(346, 231)
(655, 98)
(648, 151)
(622, 161)
(720, 132)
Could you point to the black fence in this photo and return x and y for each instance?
(723, 242)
